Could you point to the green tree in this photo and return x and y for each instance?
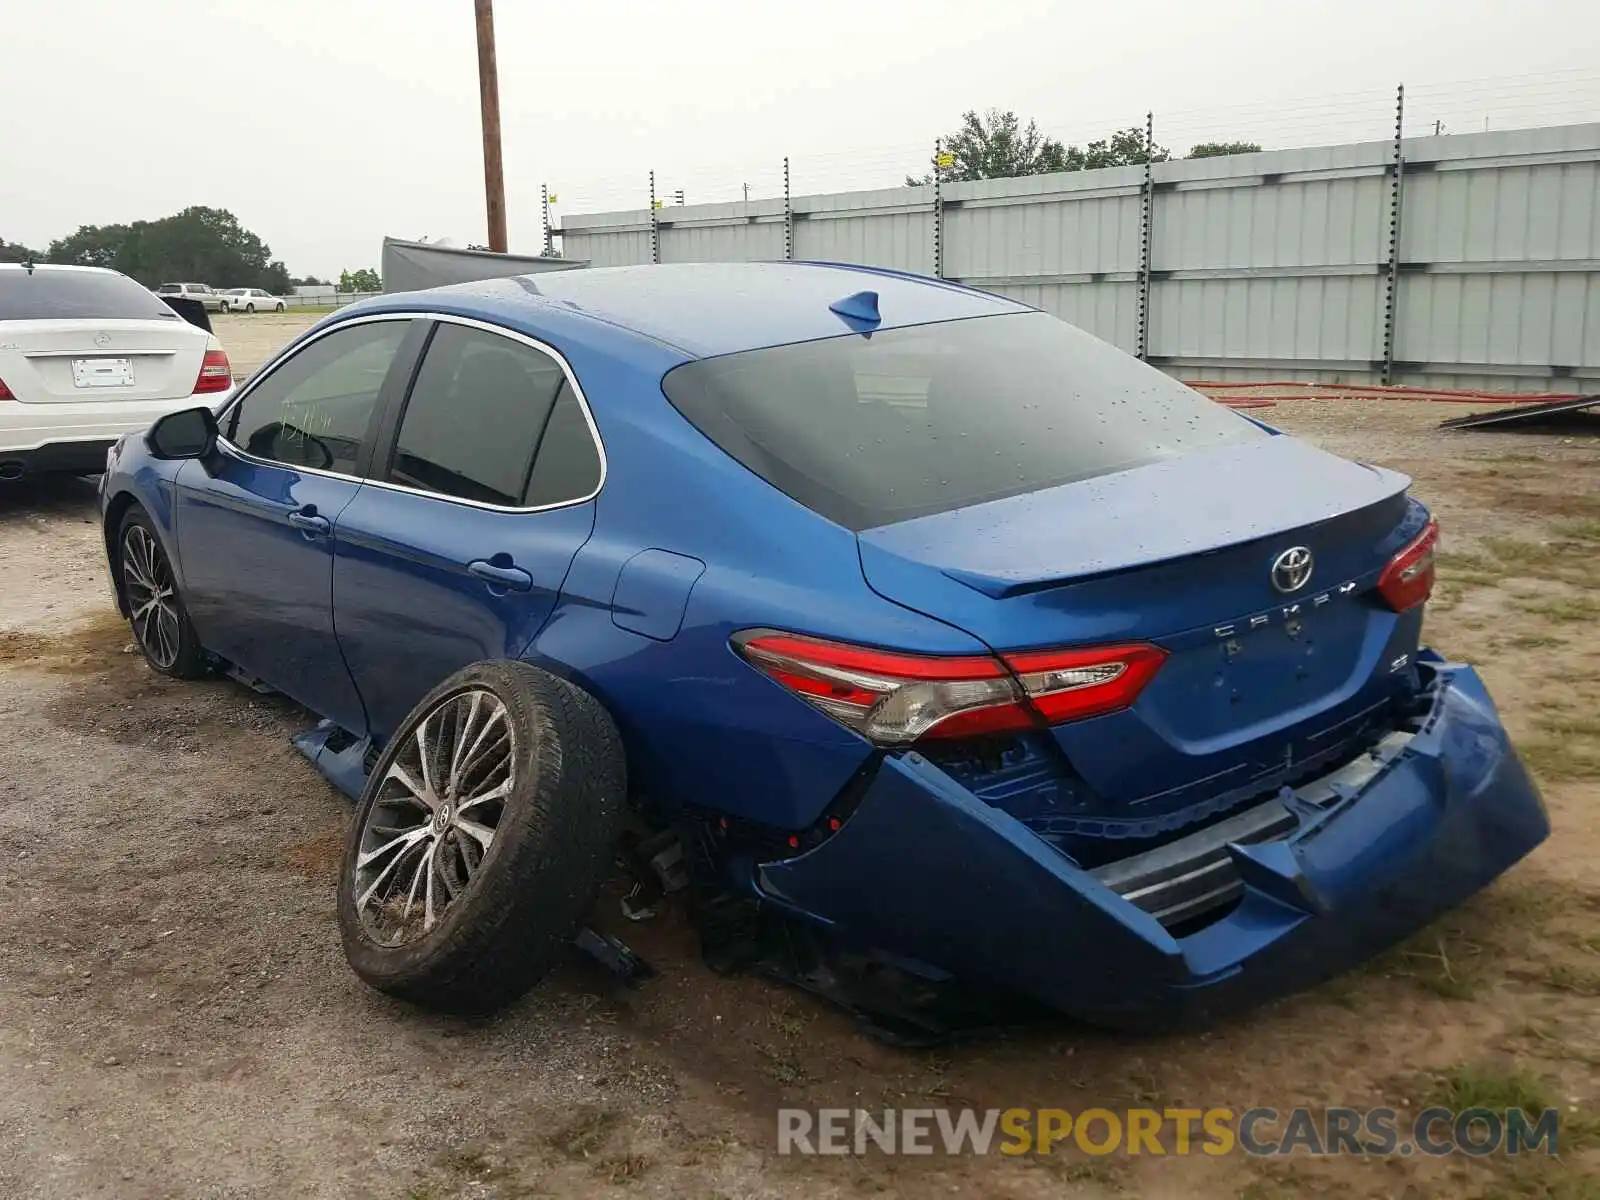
(1218, 149)
(207, 245)
(309, 281)
(99, 246)
(364, 280)
(997, 146)
(16, 252)
(1124, 148)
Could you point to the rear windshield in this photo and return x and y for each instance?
(870, 430)
(75, 295)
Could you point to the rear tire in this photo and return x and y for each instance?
(156, 611)
(250, 308)
(482, 838)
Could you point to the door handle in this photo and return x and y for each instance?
(512, 578)
(308, 522)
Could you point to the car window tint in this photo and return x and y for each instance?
(568, 465)
(929, 418)
(76, 296)
(477, 411)
(314, 408)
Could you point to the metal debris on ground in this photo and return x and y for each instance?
(1520, 414)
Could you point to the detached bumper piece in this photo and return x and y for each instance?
(1183, 880)
(1320, 878)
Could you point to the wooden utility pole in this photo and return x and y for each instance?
(494, 178)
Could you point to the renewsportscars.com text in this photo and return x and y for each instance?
(1262, 1132)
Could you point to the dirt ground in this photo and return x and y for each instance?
(251, 339)
(176, 1018)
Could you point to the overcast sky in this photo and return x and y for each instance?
(325, 124)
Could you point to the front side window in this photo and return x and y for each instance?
(314, 409)
(870, 431)
(486, 420)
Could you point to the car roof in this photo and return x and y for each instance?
(58, 267)
(708, 309)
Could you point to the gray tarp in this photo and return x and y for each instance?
(410, 266)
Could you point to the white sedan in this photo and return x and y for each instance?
(249, 300)
(87, 355)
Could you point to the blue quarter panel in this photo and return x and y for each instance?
(701, 726)
(653, 590)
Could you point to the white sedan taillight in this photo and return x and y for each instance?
(216, 373)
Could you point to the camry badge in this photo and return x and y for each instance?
(1291, 570)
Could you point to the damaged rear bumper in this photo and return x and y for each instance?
(1330, 877)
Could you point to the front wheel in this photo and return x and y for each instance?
(160, 622)
(280, 307)
(250, 308)
(482, 838)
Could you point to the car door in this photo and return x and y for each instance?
(255, 522)
(483, 494)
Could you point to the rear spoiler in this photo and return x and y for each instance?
(192, 311)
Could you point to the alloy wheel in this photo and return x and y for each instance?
(435, 816)
(152, 596)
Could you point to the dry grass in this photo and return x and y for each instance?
(586, 1134)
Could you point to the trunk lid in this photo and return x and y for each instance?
(1180, 552)
(71, 361)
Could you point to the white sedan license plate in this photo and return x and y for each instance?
(102, 372)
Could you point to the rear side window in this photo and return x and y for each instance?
(495, 421)
(47, 295)
(568, 466)
(314, 409)
(871, 430)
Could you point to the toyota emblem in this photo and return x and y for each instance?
(102, 340)
(1291, 570)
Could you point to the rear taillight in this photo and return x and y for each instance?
(5, 392)
(894, 699)
(1068, 685)
(1408, 579)
(216, 374)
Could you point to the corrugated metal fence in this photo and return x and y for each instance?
(1272, 265)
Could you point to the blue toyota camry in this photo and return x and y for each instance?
(940, 655)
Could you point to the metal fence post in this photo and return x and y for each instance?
(788, 215)
(1146, 218)
(544, 209)
(655, 230)
(1391, 300)
(938, 211)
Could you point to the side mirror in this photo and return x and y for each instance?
(191, 433)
